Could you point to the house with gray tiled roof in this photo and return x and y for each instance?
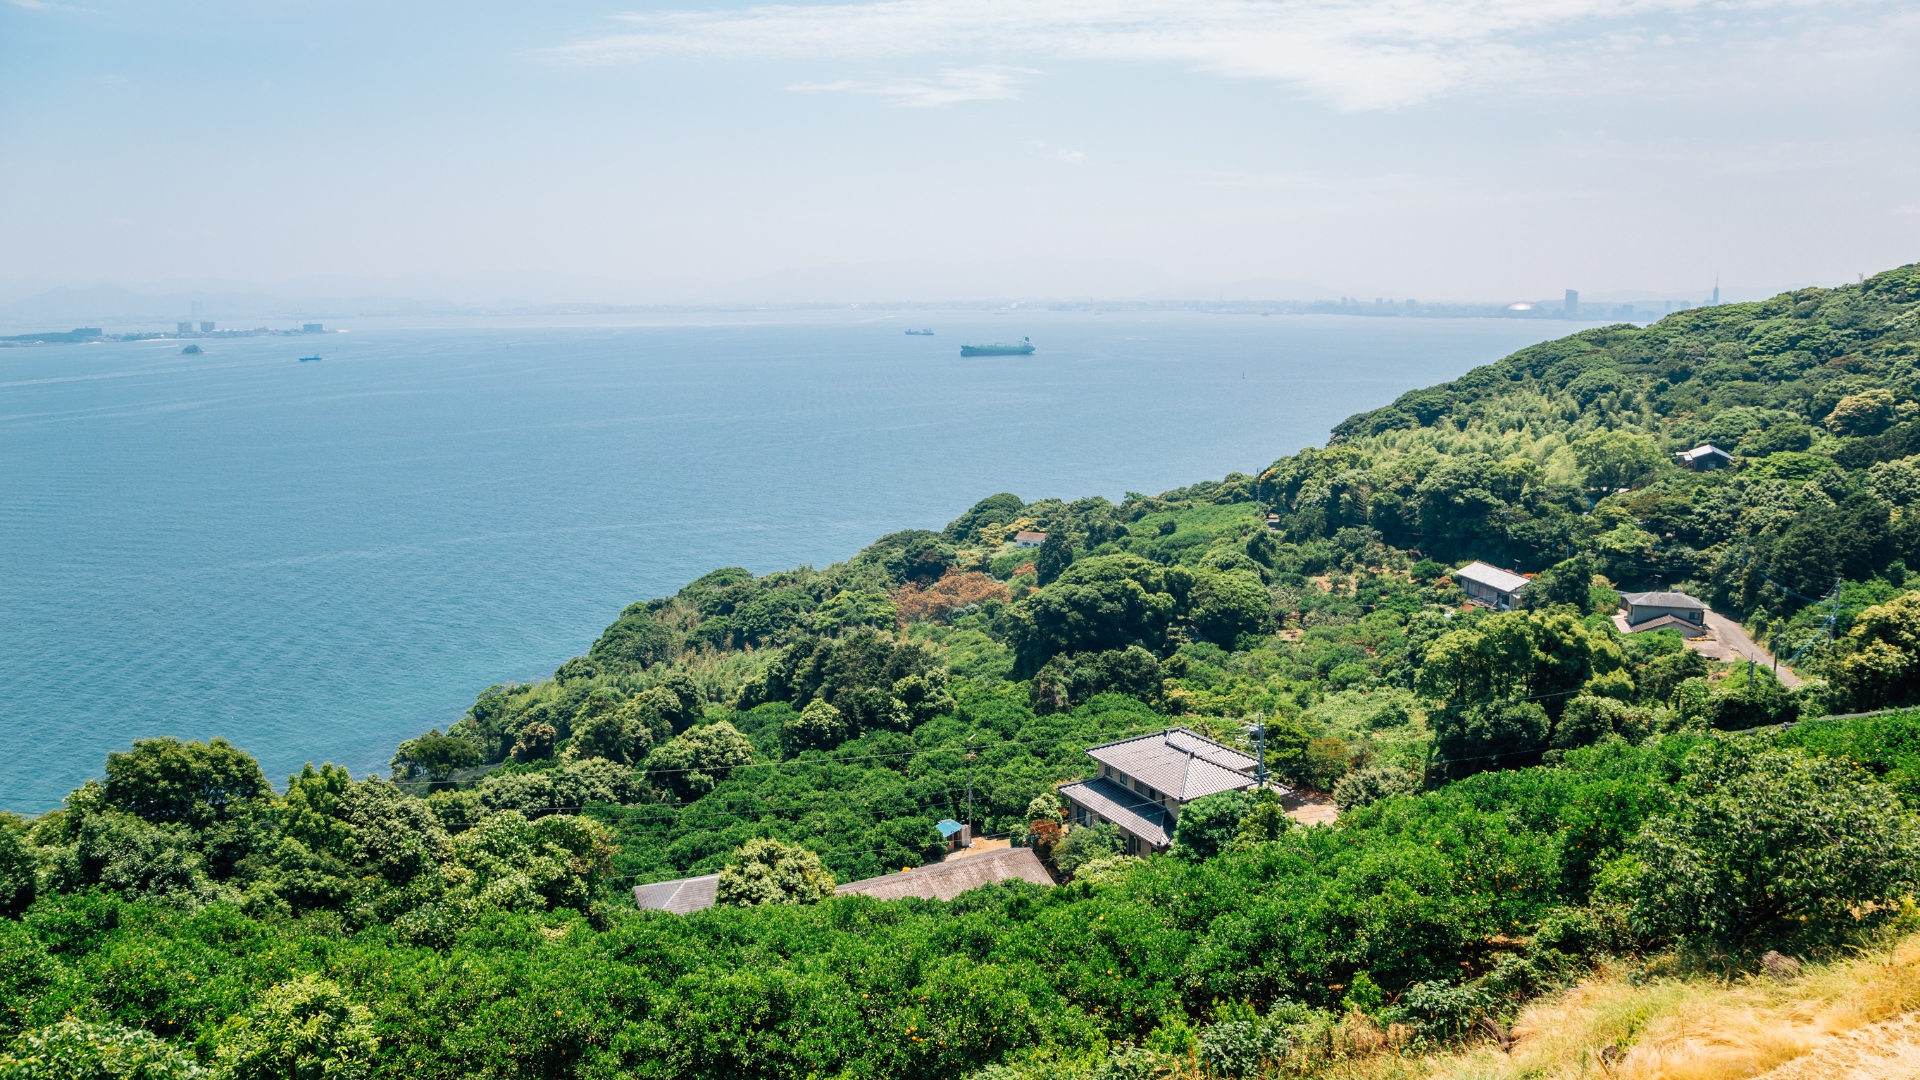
(1144, 781)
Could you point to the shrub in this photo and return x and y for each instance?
(1364, 787)
(768, 871)
(1769, 839)
(306, 1027)
(1207, 825)
(77, 1050)
(1083, 844)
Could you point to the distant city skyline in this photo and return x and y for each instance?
(1458, 150)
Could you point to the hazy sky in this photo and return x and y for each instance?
(1428, 148)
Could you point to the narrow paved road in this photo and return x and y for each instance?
(1730, 642)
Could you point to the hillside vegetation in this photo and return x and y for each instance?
(1529, 799)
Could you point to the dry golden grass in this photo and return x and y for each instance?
(1694, 1028)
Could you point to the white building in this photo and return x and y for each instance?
(1027, 539)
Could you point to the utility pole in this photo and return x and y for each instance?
(970, 757)
(1258, 729)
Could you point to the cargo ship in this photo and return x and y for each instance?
(1025, 348)
(920, 333)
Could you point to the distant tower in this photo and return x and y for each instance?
(1573, 303)
(1716, 290)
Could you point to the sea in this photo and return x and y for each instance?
(318, 560)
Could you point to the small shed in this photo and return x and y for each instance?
(681, 897)
(1704, 458)
(956, 835)
(1490, 586)
(946, 880)
(1029, 539)
(1646, 608)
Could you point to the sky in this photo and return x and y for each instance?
(1430, 149)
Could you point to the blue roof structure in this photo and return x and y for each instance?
(948, 827)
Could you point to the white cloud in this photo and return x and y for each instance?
(1366, 54)
(950, 87)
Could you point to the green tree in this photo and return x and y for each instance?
(1567, 582)
(690, 764)
(627, 733)
(1045, 806)
(1490, 735)
(1615, 459)
(635, 638)
(1099, 603)
(168, 781)
(1879, 664)
(1515, 654)
(1588, 719)
(1053, 558)
(1070, 680)
(437, 755)
(819, 726)
(1085, 843)
(395, 835)
(535, 742)
(856, 607)
(18, 877)
(1225, 604)
(767, 871)
(1209, 824)
(1485, 661)
(1264, 823)
(1768, 840)
(311, 812)
(521, 865)
(303, 1029)
(79, 1050)
(1865, 413)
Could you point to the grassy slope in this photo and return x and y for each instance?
(1701, 1027)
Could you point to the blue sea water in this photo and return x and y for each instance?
(318, 560)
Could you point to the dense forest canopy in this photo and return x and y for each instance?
(1521, 792)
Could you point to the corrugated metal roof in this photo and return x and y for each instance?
(946, 880)
(1179, 763)
(948, 826)
(1663, 599)
(1130, 810)
(1491, 576)
(682, 896)
(1687, 629)
(1703, 451)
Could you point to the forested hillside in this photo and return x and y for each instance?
(1523, 794)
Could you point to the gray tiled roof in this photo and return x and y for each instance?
(946, 880)
(682, 896)
(1179, 763)
(1130, 810)
(1492, 576)
(1662, 599)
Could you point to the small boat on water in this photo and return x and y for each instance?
(920, 333)
(308, 359)
(1025, 348)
